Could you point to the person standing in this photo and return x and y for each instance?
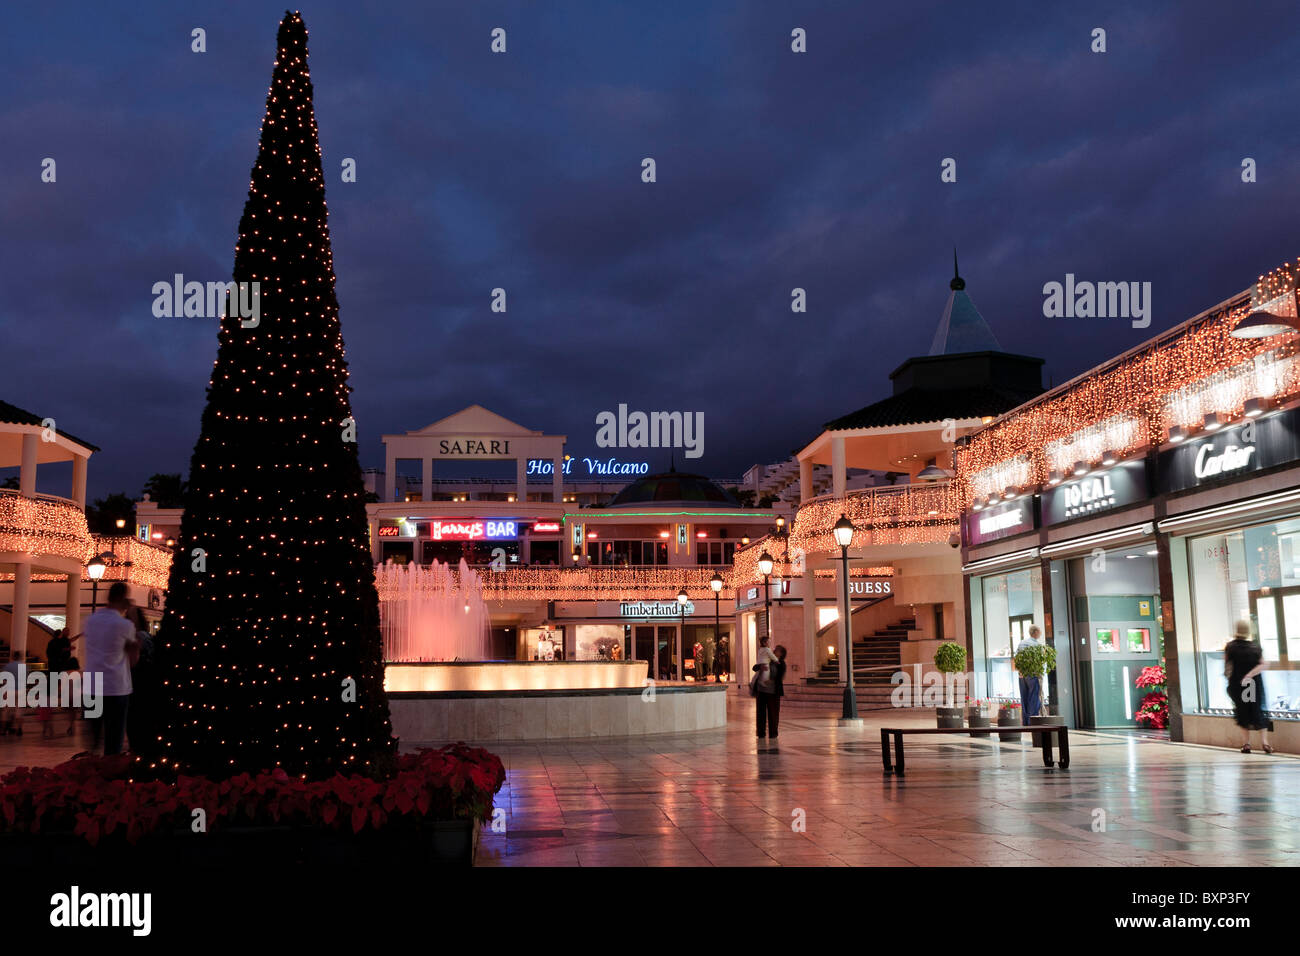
(111, 647)
(10, 722)
(1030, 687)
(141, 719)
(778, 684)
(767, 704)
(1243, 663)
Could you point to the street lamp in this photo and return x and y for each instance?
(682, 598)
(121, 523)
(843, 531)
(715, 582)
(95, 568)
(765, 569)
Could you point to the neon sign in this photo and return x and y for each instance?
(546, 527)
(602, 467)
(390, 531)
(472, 530)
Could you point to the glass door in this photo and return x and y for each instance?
(645, 647)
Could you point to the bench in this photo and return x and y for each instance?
(896, 766)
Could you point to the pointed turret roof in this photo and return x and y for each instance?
(962, 328)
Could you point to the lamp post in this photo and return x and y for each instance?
(95, 568)
(843, 532)
(682, 598)
(765, 568)
(715, 582)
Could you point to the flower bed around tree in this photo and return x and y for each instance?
(95, 798)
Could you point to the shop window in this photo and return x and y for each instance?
(1248, 574)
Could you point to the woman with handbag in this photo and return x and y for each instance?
(763, 687)
(1243, 662)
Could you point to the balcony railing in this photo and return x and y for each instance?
(134, 561)
(881, 515)
(600, 584)
(42, 526)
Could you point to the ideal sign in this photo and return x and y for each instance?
(1231, 453)
(472, 530)
(1104, 491)
(654, 609)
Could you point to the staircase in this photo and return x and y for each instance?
(876, 658)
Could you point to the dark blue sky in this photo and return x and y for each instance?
(522, 170)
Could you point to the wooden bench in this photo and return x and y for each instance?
(896, 766)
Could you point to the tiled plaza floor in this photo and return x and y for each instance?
(722, 798)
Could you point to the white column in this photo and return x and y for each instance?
(375, 549)
(810, 621)
(426, 475)
(838, 470)
(27, 474)
(521, 480)
(805, 480)
(390, 475)
(72, 606)
(22, 583)
(557, 480)
(79, 481)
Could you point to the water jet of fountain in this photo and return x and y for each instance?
(432, 612)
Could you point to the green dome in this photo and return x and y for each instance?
(673, 488)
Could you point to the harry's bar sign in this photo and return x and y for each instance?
(1231, 453)
(653, 609)
(1117, 487)
(472, 530)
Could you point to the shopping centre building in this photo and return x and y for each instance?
(51, 566)
(1138, 512)
(904, 567)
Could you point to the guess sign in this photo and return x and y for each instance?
(472, 530)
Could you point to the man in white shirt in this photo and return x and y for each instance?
(111, 646)
(1031, 694)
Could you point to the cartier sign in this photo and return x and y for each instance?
(1230, 453)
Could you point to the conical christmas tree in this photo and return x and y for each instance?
(270, 648)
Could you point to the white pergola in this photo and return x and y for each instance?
(41, 533)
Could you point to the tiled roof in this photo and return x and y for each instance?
(13, 415)
(916, 406)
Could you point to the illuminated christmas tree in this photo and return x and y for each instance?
(270, 648)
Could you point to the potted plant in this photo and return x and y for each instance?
(1009, 716)
(1037, 660)
(977, 715)
(1153, 712)
(950, 658)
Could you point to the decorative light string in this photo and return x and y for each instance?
(1132, 405)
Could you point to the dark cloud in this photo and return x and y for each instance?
(523, 171)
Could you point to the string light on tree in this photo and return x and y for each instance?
(256, 644)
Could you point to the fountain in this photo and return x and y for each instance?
(432, 612)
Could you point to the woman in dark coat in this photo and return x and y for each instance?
(1243, 661)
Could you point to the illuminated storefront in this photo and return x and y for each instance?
(1142, 511)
